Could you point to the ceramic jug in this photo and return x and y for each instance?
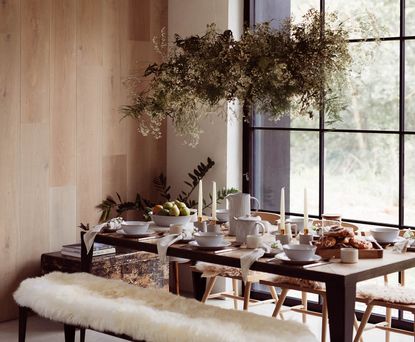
(239, 205)
(248, 225)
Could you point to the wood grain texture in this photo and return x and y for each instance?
(34, 196)
(9, 151)
(139, 19)
(114, 139)
(62, 216)
(89, 38)
(62, 146)
(89, 142)
(63, 94)
(33, 235)
(35, 43)
(114, 175)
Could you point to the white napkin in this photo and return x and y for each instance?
(401, 246)
(248, 259)
(164, 243)
(89, 237)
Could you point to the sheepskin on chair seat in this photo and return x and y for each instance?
(387, 293)
(85, 300)
(213, 270)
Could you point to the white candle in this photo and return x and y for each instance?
(200, 201)
(282, 209)
(214, 201)
(305, 209)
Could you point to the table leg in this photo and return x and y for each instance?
(86, 258)
(341, 299)
(174, 277)
(199, 285)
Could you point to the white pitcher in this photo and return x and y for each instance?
(239, 205)
(248, 225)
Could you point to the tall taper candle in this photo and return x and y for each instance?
(282, 209)
(305, 209)
(200, 201)
(214, 201)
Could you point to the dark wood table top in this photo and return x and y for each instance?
(335, 270)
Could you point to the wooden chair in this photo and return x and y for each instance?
(387, 324)
(270, 217)
(234, 294)
(285, 288)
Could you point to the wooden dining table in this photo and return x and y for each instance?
(340, 279)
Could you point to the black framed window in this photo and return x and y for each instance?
(363, 165)
(360, 166)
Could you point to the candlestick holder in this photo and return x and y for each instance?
(212, 227)
(200, 225)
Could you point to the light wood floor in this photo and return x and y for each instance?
(41, 330)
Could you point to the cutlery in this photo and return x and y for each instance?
(317, 264)
(225, 250)
(152, 237)
(271, 259)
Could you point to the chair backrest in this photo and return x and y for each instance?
(270, 217)
(355, 228)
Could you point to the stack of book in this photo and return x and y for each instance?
(74, 250)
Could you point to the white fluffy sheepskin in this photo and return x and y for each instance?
(146, 314)
(211, 270)
(388, 293)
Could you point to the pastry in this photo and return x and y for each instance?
(326, 242)
(339, 232)
(358, 243)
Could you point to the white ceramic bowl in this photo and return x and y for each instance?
(208, 239)
(222, 215)
(166, 221)
(135, 227)
(385, 234)
(299, 252)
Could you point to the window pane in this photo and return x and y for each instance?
(373, 95)
(356, 13)
(290, 160)
(297, 122)
(278, 10)
(361, 176)
(275, 11)
(300, 7)
(410, 85)
(410, 17)
(409, 181)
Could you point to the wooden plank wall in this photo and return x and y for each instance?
(62, 144)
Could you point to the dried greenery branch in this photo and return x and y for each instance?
(293, 69)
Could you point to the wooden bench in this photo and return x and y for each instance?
(139, 314)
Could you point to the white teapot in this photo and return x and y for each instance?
(239, 205)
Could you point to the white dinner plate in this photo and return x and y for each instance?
(223, 245)
(283, 257)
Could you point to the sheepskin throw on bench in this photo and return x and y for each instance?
(85, 300)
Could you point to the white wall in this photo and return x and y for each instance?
(221, 140)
